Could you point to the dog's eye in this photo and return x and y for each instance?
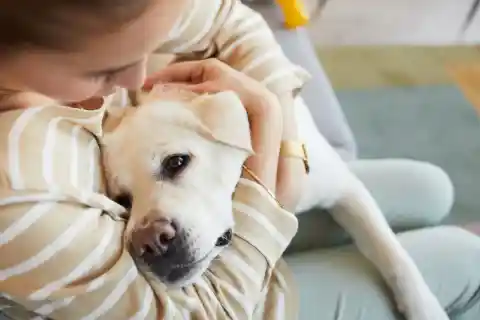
(173, 165)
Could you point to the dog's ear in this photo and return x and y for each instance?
(224, 115)
(114, 116)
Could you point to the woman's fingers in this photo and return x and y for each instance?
(182, 72)
(200, 88)
(206, 87)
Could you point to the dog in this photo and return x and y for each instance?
(179, 161)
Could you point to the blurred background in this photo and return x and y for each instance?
(344, 22)
(407, 75)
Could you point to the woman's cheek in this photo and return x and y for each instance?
(70, 91)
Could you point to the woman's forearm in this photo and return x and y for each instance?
(291, 171)
(266, 132)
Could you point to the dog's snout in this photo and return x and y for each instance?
(154, 237)
(225, 239)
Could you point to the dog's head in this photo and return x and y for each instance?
(178, 159)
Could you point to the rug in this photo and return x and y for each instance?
(355, 67)
(418, 103)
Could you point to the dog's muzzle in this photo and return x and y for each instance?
(163, 247)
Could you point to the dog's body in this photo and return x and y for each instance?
(331, 185)
(133, 154)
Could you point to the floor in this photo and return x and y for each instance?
(467, 77)
(347, 22)
(354, 67)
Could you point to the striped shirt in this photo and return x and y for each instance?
(234, 33)
(61, 248)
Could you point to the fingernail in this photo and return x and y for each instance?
(147, 86)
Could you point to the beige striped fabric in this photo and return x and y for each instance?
(239, 36)
(62, 255)
(60, 244)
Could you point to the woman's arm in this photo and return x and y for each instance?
(284, 175)
(291, 170)
(266, 133)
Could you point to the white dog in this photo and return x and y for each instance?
(180, 162)
(180, 159)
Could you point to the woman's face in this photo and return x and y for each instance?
(106, 61)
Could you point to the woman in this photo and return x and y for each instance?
(65, 260)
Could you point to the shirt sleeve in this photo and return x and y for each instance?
(67, 261)
(234, 33)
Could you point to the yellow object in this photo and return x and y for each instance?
(294, 13)
(295, 149)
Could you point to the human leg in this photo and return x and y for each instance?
(339, 283)
(411, 194)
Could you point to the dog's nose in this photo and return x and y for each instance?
(225, 239)
(163, 247)
(153, 237)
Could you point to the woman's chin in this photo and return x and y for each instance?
(106, 92)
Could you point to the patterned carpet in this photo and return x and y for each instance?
(415, 102)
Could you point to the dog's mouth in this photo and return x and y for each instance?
(183, 274)
(192, 265)
(178, 274)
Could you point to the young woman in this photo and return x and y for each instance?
(65, 259)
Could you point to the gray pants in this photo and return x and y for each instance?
(337, 283)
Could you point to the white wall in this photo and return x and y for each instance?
(393, 22)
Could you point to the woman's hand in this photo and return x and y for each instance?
(212, 76)
(262, 106)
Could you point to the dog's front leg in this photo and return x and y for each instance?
(358, 213)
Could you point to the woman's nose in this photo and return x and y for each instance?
(132, 78)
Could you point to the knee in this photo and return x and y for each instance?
(435, 190)
(415, 193)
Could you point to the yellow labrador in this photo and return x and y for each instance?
(179, 159)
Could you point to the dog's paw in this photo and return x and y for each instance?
(427, 312)
(413, 297)
(425, 307)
